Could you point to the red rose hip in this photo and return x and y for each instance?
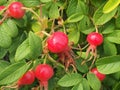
(57, 42)
(27, 79)
(99, 75)
(43, 73)
(15, 10)
(2, 7)
(95, 39)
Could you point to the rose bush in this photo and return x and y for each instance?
(57, 33)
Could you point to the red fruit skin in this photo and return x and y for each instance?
(27, 79)
(15, 10)
(95, 39)
(99, 75)
(57, 42)
(2, 7)
(44, 72)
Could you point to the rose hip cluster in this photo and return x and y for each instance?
(58, 43)
(43, 72)
(14, 10)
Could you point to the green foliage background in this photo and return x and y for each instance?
(22, 43)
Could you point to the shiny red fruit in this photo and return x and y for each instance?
(27, 79)
(44, 72)
(2, 7)
(57, 42)
(95, 39)
(15, 10)
(99, 75)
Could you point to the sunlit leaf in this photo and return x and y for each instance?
(109, 48)
(30, 3)
(78, 87)
(114, 37)
(70, 80)
(13, 72)
(110, 5)
(5, 39)
(54, 11)
(101, 18)
(74, 18)
(108, 65)
(93, 81)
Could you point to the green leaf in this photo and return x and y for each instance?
(36, 26)
(110, 5)
(20, 22)
(3, 2)
(70, 80)
(85, 25)
(2, 52)
(109, 28)
(74, 36)
(101, 18)
(78, 87)
(97, 3)
(3, 65)
(77, 6)
(114, 37)
(17, 41)
(82, 68)
(45, 1)
(88, 30)
(72, 7)
(12, 49)
(10, 28)
(5, 40)
(117, 22)
(54, 11)
(30, 3)
(117, 86)
(85, 84)
(31, 48)
(116, 75)
(13, 72)
(93, 81)
(74, 18)
(108, 65)
(22, 51)
(109, 81)
(109, 48)
(35, 44)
